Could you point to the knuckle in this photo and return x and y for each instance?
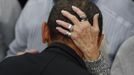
(84, 28)
(85, 25)
(78, 31)
(72, 17)
(76, 37)
(97, 30)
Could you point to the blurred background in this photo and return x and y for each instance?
(21, 21)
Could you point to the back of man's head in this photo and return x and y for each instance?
(86, 6)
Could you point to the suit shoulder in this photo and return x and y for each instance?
(63, 66)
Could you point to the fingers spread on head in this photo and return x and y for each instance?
(62, 23)
(70, 17)
(78, 11)
(65, 25)
(63, 31)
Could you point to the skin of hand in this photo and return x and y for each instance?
(84, 35)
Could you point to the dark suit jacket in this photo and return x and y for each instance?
(57, 59)
(2, 48)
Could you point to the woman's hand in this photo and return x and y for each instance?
(83, 34)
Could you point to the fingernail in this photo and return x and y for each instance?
(62, 11)
(97, 14)
(74, 7)
(57, 28)
(57, 21)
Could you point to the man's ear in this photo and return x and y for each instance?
(100, 40)
(45, 33)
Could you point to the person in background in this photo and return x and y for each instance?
(124, 60)
(65, 56)
(9, 13)
(37, 11)
(118, 22)
(28, 27)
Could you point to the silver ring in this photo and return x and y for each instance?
(68, 34)
(70, 27)
(84, 18)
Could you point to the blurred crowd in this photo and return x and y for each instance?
(9, 14)
(21, 22)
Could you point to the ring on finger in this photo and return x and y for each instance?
(70, 27)
(84, 18)
(68, 34)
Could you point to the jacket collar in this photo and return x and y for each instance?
(67, 51)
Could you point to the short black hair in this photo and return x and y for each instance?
(86, 6)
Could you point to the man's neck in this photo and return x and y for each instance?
(71, 45)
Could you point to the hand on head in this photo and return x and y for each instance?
(84, 35)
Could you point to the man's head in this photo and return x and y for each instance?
(86, 6)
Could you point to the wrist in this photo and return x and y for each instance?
(92, 56)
